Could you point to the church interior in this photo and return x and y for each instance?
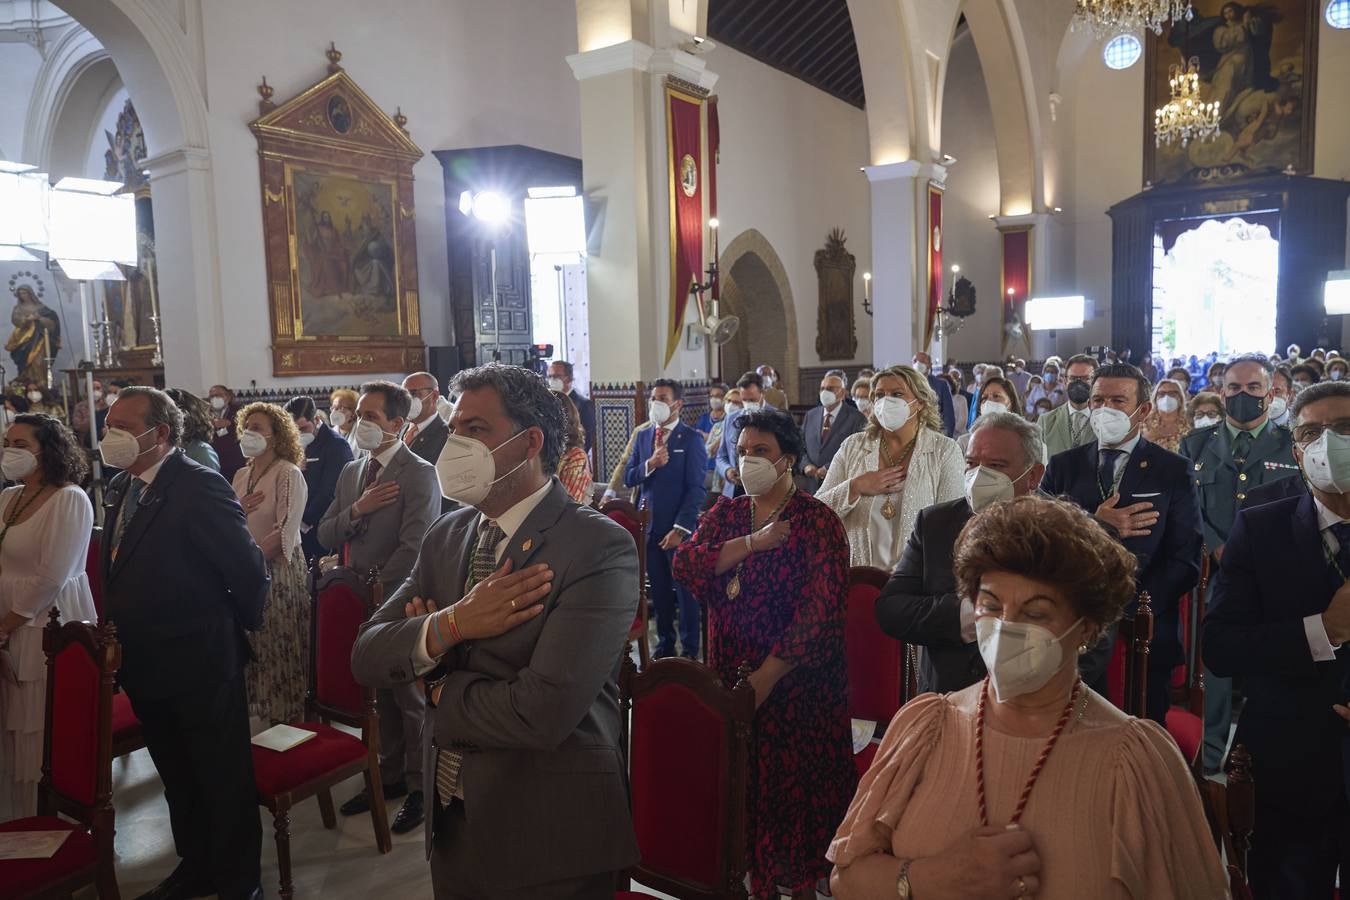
(265, 201)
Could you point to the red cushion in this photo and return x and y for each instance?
(341, 614)
(863, 761)
(277, 773)
(631, 525)
(75, 724)
(677, 768)
(1115, 675)
(27, 877)
(873, 659)
(1188, 730)
(123, 717)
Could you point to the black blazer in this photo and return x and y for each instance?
(324, 459)
(1274, 573)
(430, 439)
(1291, 486)
(586, 408)
(1169, 557)
(186, 584)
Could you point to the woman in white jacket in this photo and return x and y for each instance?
(901, 463)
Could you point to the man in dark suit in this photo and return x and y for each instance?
(426, 431)
(923, 364)
(1159, 521)
(183, 581)
(517, 614)
(326, 452)
(1228, 461)
(668, 467)
(1280, 618)
(825, 427)
(560, 379)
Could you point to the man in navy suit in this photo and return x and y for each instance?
(1279, 618)
(1145, 493)
(923, 364)
(751, 386)
(326, 452)
(668, 467)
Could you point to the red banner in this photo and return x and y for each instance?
(1015, 283)
(934, 263)
(684, 129)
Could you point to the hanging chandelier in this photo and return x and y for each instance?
(1186, 117)
(1108, 18)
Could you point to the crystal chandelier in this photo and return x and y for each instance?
(1107, 18)
(1186, 117)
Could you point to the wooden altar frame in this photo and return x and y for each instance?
(302, 136)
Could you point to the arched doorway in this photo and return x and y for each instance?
(755, 288)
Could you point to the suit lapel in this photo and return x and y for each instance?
(152, 500)
(1307, 534)
(1134, 470)
(532, 534)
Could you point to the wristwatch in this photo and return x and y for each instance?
(902, 881)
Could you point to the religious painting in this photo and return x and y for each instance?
(129, 305)
(836, 337)
(1258, 61)
(36, 337)
(339, 231)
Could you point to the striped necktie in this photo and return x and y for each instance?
(482, 565)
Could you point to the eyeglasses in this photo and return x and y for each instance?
(1307, 433)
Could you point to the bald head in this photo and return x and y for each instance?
(424, 387)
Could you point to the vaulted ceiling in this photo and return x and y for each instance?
(807, 39)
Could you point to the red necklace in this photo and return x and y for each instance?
(1035, 770)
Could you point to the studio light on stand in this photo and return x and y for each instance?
(1056, 314)
(491, 210)
(92, 231)
(1336, 293)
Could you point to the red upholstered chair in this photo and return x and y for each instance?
(343, 601)
(1186, 722)
(1231, 810)
(1127, 673)
(689, 745)
(82, 661)
(635, 522)
(878, 669)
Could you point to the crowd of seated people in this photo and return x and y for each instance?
(1015, 513)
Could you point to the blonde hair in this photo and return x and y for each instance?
(285, 436)
(929, 417)
(343, 394)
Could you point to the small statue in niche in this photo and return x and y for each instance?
(836, 337)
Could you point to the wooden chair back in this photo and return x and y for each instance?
(1231, 811)
(1136, 635)
(636, 522)
(342, 601)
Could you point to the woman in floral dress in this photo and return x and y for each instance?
(772, 569)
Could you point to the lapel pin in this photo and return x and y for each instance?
(1143, 464)
(529, 542)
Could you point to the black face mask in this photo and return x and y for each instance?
(1245, 408)
(1078, 392)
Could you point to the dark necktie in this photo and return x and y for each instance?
(130, 502)
(1341, 531)
(372, 473)
(825, 429)
(1106, 471)
(1242, 446)
(660, 437)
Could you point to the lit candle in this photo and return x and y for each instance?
(867, 285)
(955, 269)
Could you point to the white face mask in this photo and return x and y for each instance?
(891, 413)
(252, 444)
(306, 438)
(1021, 658)
(370, 436)
(658, 413)
(1278, 407)
(415, 409)
(337, 418)
(733, 407)
(34, 396)
(17, 463)
(1168, 404)
(829, 399)
(989, 407)
(120, 448)
(1206, 421)
(217, 403)
(110, 397)
(921, 368)
(556, 384)
(752, 405)
(864, 405)
(444, 408)
(467, 469)
(1327, 462)
(1336, 375)
(986, 486)
(759, 475)
(716, 403)
(1110, 425)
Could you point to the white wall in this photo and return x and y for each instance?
(790, 168)
(19, 63)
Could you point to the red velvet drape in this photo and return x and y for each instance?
(935, 244)
(684, 127)
(1017, 279)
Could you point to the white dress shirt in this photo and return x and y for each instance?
(509, 522)
(1126, 451)
(1323, 650)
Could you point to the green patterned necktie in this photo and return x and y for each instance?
(1242, 446)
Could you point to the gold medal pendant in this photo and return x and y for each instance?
(734, 587)
(888, 509)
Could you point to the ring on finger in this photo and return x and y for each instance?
(1021, 887)
(513, 604)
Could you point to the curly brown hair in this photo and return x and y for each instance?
(59, 454)
(576, 433)
(1052, 541)
(285, 436)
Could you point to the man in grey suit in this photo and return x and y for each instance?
(386, 500)
(825, 427)
(516, 614)
(1066, 426)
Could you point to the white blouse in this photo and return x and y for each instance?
(42, 559)
(936, 475)
(284, 496)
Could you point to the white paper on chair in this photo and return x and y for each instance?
(863, 731)
(31, 844)
(282, 738)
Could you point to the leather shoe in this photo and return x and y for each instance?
(663, 652)
(361, 802)
(409, 815)
(179, 886)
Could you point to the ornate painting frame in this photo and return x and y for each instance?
(341, 301)
(1258, 111)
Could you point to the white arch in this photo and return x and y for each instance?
(74, 52)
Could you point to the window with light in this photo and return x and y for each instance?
(1123, 51)
(1338, 13)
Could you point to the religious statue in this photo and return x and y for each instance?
(836, 335)
(36, 337)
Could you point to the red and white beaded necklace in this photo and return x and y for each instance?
(1040, 761)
